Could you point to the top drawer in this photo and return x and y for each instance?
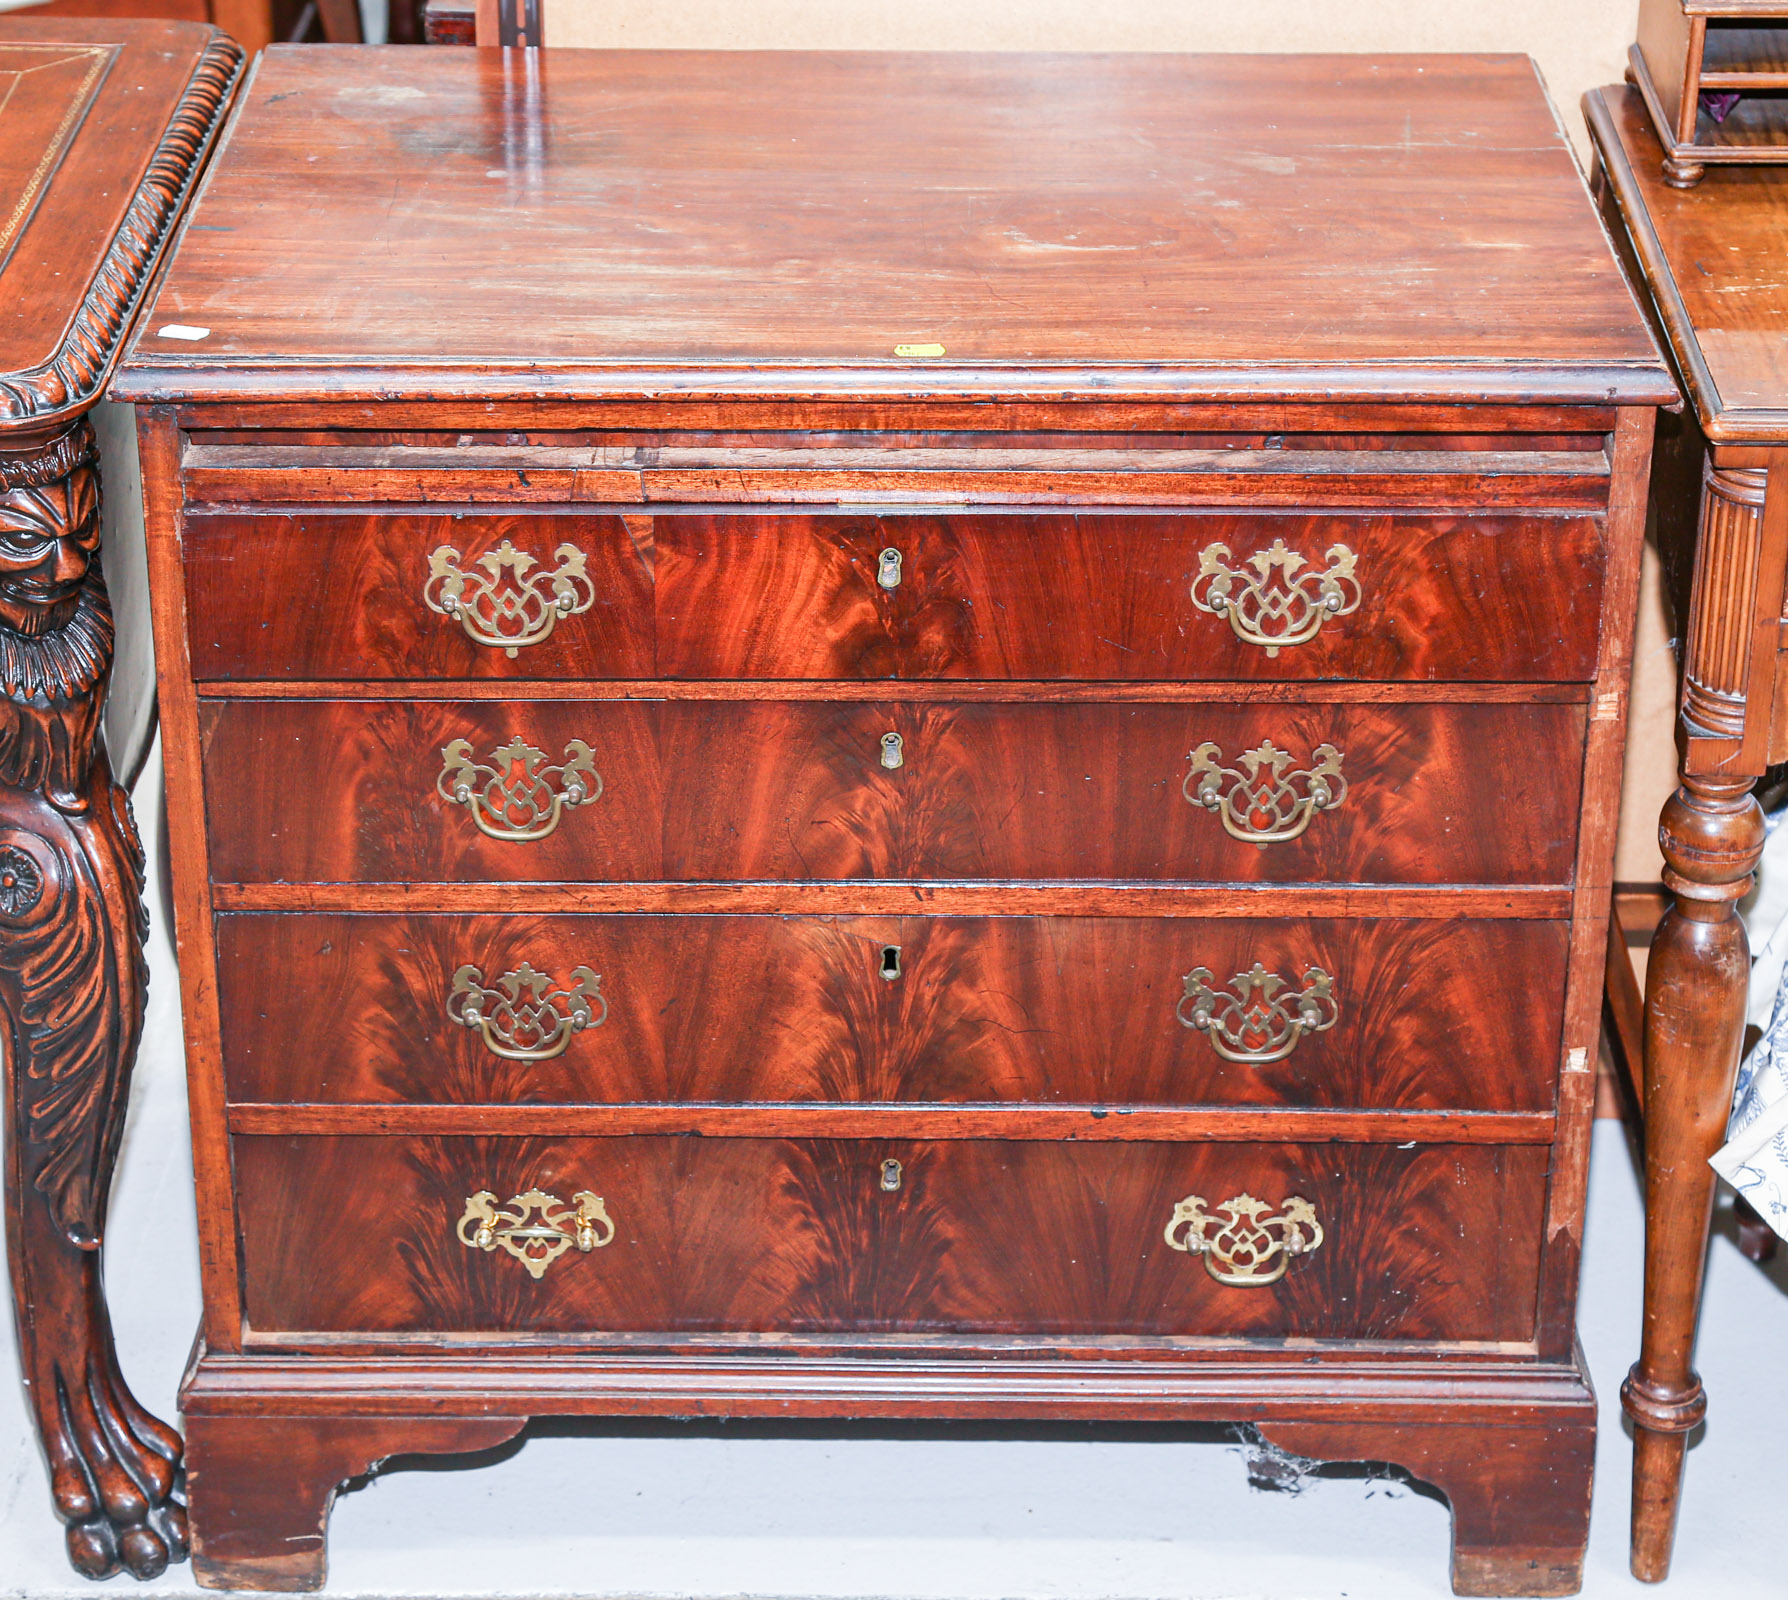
(1126, 596)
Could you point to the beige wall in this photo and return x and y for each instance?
(1577, 43)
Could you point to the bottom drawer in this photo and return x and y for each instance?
(382, 1235)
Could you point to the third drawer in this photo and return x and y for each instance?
(1399, 1014)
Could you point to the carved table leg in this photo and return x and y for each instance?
(1695, 986)
(1519, 1492)
(262, 1487)
(72, 982)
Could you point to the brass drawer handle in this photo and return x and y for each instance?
(515, 797)
(536, 1244)
(1244, 1242)
(508, 615)
(1269, 613)
(1256, 1019)
(522, 1017)
(1267, 801)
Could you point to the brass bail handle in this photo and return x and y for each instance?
(1265, 799)
(535, 1227)
(1275, 598)
(1246, 1243)
(516, 795)
(508, 605)
(1257, 1019)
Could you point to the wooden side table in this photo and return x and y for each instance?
(1708, 259)
(103, 126)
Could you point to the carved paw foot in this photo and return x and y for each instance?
(114, 1476)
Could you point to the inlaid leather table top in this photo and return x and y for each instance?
(464, 223)
(1713, 260)
(85, 107)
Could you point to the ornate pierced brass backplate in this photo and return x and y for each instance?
(1266, 600)
(514, 796)
(523, 1016)
(508, 614)
(1265, 799)
(534, 1227)
(1256, 1019)
(1245, 1242)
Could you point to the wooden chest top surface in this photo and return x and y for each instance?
(88, 108)
(577, 223)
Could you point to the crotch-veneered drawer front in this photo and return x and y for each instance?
(1401, 1014)
(1128, 596)
(695, 791)
(645, 1234)
(349, 594)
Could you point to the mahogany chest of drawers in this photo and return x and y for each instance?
(880, 736)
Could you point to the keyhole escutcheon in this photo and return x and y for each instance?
(890, 1176)
(887, 568)
(890, 962)
(893, 751)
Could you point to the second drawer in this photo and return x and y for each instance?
(310, 791)
(1395, 1013)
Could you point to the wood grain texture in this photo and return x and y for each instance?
(265, 1487)
(1033, 214)
(892, 1119)
(1519, 1495)
(799, 1236)
(1431, 1014)
(1103, 597)
(336, 791)
(1707, 256)
(364, 578)
(789, 596)
(816, 472)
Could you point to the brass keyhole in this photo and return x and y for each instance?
(893, 751)
(890, 1176)
(890, 962)
(887, 569)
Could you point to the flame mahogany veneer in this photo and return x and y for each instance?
(892, 999)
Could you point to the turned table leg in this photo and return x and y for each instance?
(1695, 990)
(72, 983)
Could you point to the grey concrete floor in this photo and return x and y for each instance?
(735, 1511)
